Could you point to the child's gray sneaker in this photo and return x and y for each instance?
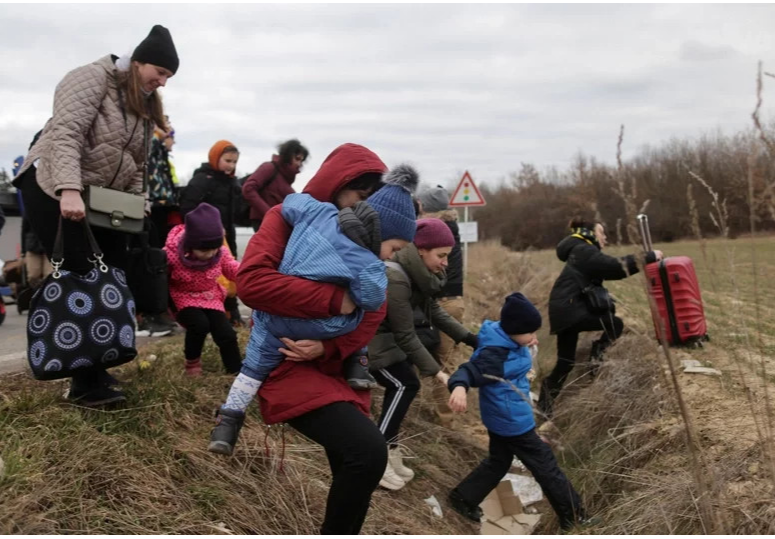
(224, 435)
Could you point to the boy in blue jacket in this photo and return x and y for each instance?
(504, 353)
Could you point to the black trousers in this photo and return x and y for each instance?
(538, 458)
(200, 322)
(567, 340)
(159, 229)
(401, 386)
(357, 455)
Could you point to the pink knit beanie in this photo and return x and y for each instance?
(433, 233)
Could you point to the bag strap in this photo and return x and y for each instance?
(57, 258)
(121, 158)
(579, 277)
(146, 154)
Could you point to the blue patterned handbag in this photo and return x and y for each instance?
(80, 322)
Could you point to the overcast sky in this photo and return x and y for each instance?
(446, 87)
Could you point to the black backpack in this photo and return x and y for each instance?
(242, 216)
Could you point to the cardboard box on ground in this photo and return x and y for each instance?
(503, 513)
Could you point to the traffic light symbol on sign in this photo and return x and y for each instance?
(467, 194)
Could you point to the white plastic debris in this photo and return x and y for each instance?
(528, 490)
(435, 505)
(2, 468)
(689, 363)
(703, 370)
(692, 366)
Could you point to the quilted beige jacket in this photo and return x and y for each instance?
(87, 138)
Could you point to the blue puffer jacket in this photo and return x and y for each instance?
(319, 251)
(505, 412)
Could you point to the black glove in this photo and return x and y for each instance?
(471, 340)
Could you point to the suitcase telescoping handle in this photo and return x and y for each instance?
(645, 232)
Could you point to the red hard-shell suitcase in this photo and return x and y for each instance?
(672, 282)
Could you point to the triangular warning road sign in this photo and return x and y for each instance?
(467, 193)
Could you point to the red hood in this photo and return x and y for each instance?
(343, 165)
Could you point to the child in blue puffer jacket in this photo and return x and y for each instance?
(504, 353)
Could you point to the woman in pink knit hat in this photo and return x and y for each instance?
(415, 276)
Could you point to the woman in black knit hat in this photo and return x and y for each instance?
(95, 137)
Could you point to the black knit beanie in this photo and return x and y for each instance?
(158, 49)
(519, 316)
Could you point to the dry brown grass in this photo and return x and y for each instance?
(625, 445)
(145, 468)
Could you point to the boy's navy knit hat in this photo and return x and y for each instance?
(519, 316)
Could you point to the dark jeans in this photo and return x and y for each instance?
(159, 229)
(357, 455)
(538, 458)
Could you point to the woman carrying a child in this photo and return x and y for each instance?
(310, 392)
(345, 247)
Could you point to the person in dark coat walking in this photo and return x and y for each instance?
(569, 315)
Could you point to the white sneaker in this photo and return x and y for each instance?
(390, 479)
(157, 327)
(396, 461)
(142, 331)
